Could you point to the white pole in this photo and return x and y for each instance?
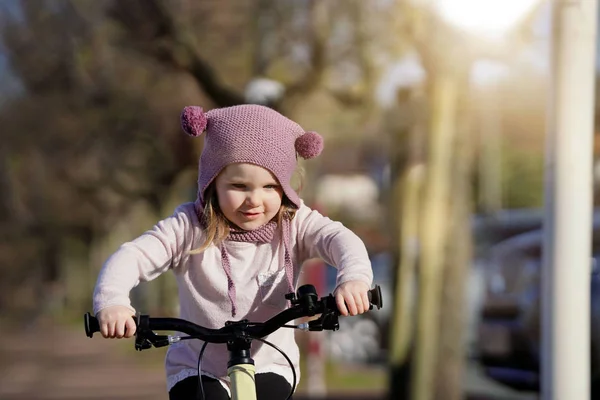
(568, 209)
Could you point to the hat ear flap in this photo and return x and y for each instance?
(193, 120)
(309, 145)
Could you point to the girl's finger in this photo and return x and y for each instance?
(366, 302)
(129, 327)
(104, 330)
(120, 328)
(339, 300)
(351, 304)
(360, 308)
(111, 329)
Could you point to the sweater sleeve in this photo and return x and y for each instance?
(145, 258)
(321, 237)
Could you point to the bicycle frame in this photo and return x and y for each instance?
(241, 370)
(243, 386)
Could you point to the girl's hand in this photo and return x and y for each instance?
(352, 294)
(116, 322)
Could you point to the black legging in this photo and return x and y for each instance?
(269, 386)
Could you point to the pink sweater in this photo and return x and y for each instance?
(257, 271)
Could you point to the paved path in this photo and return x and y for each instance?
(54, 363)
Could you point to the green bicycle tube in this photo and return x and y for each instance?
(243, 386)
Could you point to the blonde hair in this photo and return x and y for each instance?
(217, 226)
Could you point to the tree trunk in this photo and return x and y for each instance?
(407, 192)
(404, 208)
(451, 359)
(435, 217)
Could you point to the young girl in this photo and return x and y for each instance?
(237, 250)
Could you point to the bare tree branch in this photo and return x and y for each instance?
(175, 47)
(319, 35)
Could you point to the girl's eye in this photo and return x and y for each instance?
(238, 185)
(270, 186)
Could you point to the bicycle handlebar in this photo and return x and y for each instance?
(305, 303)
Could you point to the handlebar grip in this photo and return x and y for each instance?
(91, 324)
(375, 297)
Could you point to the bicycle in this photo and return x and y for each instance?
(238, 335)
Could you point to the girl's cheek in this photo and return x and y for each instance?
(275, 201)
(235, 199)
(225, 200)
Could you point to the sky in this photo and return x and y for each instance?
(9, 84)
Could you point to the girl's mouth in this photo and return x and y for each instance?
(251, 216)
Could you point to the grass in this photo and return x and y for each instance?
(340, 376)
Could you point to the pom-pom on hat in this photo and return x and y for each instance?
(249, 134)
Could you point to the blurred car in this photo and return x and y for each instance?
(508, 343)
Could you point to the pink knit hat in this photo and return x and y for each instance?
(252, 134)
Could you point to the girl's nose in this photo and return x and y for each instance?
(253, 199)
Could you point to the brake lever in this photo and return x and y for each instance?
(145, 338)
(327, 321)
(141, 343)
(329, 318)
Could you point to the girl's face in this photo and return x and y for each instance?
(249, 196)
